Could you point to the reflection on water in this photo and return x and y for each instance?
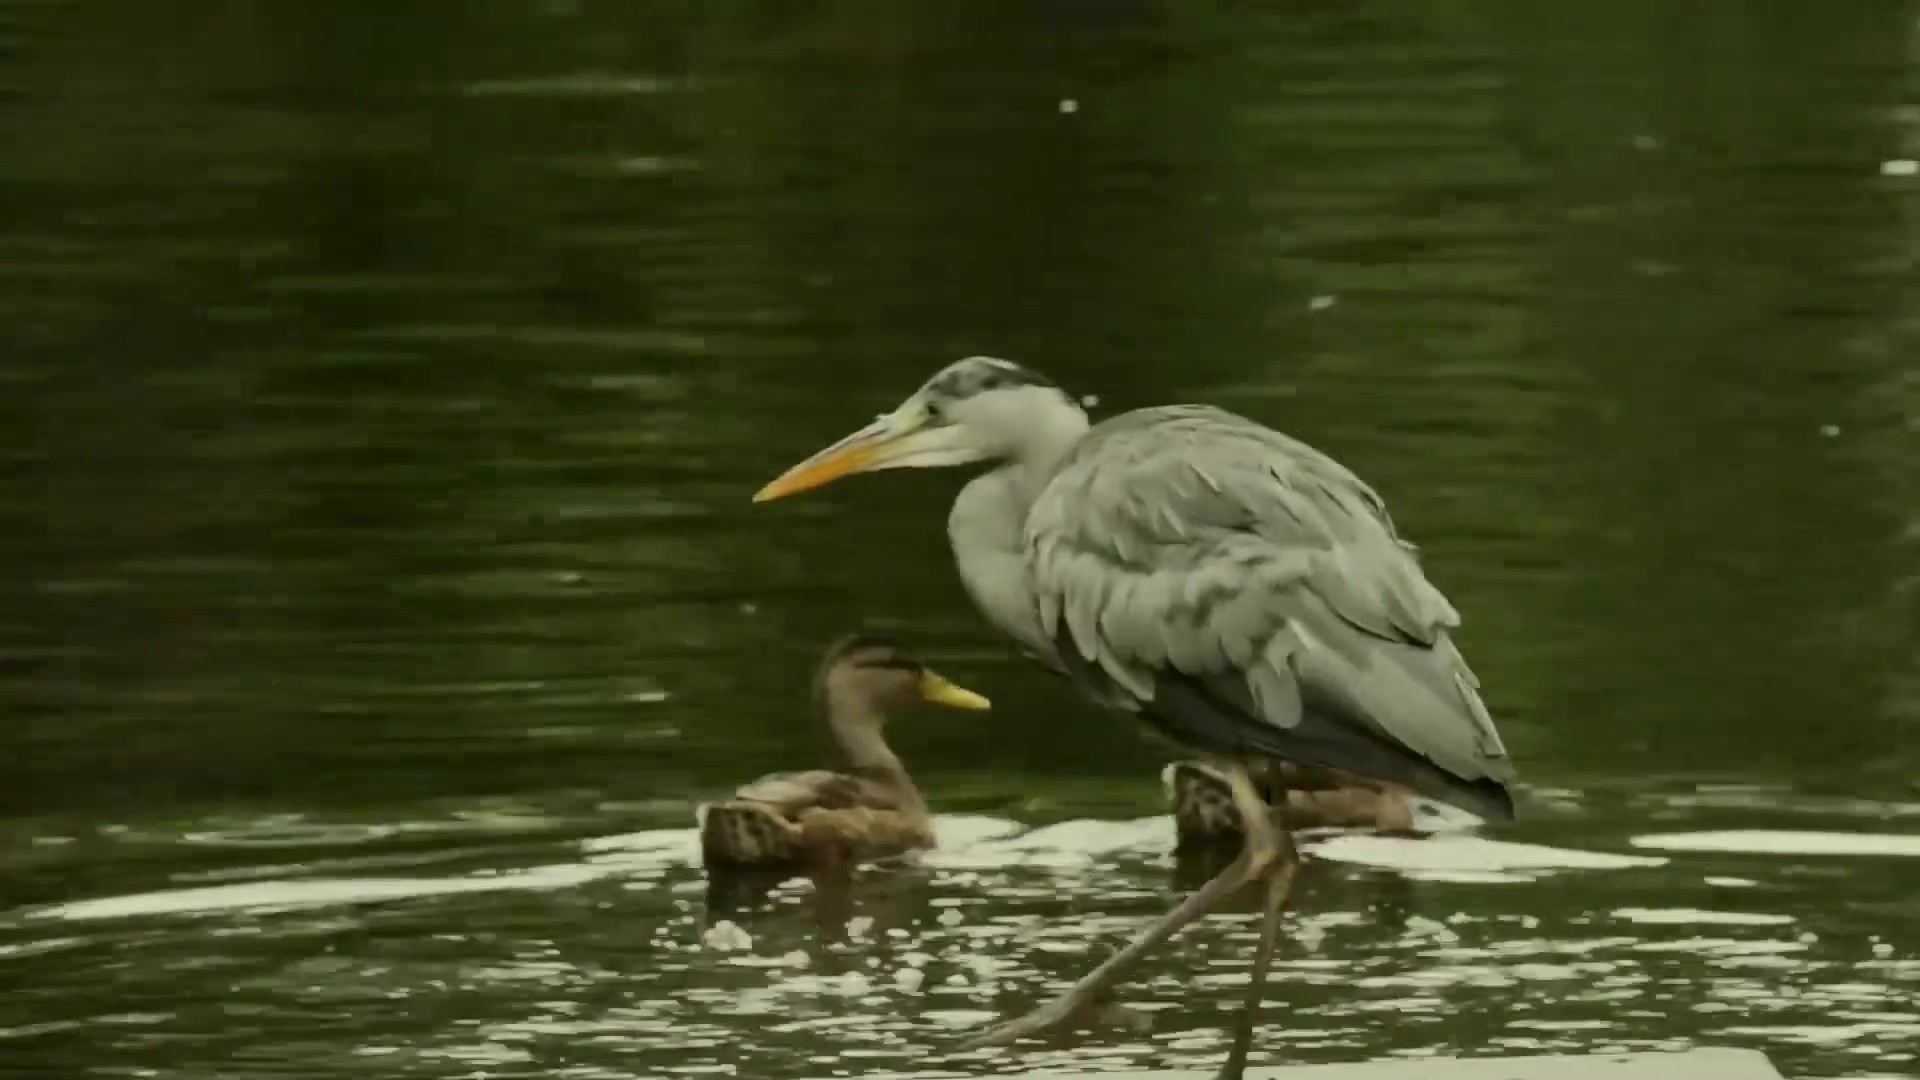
(384, 386)
(599, 953)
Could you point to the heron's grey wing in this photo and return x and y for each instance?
(1248, 593)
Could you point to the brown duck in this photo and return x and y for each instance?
(868, 808)
(1201, 798)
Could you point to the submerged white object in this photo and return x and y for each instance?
(1705, 1063)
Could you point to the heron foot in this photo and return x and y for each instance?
(1071, 1009)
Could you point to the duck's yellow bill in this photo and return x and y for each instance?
(941, 692)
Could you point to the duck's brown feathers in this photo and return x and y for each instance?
(813, 816)
(1203, 810)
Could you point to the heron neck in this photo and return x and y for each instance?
(1041, 446)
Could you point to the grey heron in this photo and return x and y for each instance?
(1241, 592)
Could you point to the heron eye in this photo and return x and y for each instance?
(934, 411)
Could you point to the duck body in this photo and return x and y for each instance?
(869, 808)
(1200, 797)
(786, 819)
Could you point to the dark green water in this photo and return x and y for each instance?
(383, 387)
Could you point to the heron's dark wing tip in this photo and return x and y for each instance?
(1215, 717)
(1490, 800)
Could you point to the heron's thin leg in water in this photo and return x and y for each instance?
(1263, 846)
(1273, 906)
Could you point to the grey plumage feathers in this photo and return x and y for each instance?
(1249, 594)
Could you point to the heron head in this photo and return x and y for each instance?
(977, 409)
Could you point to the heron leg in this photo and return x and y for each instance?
(1263, 846)
(1273, 904)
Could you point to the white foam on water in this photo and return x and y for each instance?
(660, 847)
(1692, 916)
(960, 830)
(311, 892)
(1464, 858)
(1066, 845)
(1785, 842)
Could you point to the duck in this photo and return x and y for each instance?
(1200, 797)
(865, 809)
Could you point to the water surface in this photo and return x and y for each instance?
(384, 389)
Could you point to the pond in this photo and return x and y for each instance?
(385, 389)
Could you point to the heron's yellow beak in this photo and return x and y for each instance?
(858, 452)
(907, 437)
(941, 692)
